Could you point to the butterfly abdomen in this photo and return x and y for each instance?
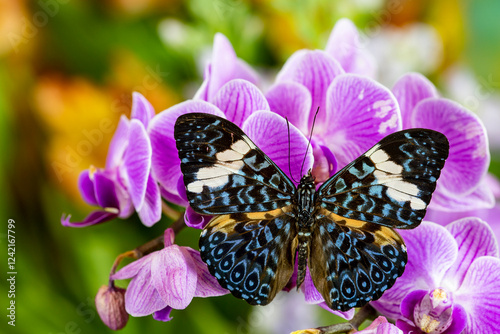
(306, 193)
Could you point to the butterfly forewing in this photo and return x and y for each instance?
(224, 172)
(392, 183)
(353, 262)
(251, 255)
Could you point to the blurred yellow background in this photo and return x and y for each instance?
(67, 71)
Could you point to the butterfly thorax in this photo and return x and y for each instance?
(306, 193)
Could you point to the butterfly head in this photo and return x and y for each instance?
(307, 179)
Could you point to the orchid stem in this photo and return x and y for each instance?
(150, 246)
(170, 212)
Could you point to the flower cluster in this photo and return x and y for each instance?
(451, 281)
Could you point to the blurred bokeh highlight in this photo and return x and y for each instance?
(67, 72)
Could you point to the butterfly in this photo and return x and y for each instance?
(343, 232)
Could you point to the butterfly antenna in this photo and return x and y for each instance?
(289, 150)
(309, 143)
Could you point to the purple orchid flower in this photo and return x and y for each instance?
(462, 182)
(381, 326)
(451, 282)
(355, 112)
(167, 279)
(126, 183)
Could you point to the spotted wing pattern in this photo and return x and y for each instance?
(392, 183)
(251, 255)
(353, 262)
(224, 172)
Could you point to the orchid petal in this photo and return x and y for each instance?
(142, 110)
(94, 218)
(173, 198)
(343, 43)
(86, 187)
(137, 163)
(225, 66)
(133, 269)
(410, 301)
(174, 276)
(474, 238)
(105, 190)
(469, 156)
(202, 92)
(315, 70)
(163, 314)
(141, 297)
(479, 295)
(480, 198)
(311, 294)
(362, 113)
(410, 89)
(380, 326)
(238, 99)
(346, 315)
(459, 321)
(406, 328)
(118, 143)
(291, 100)
(207, 285)
(150, 212)
(223, 59)
(194, 219)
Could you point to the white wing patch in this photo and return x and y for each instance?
(379, 156)
(228, 162)
(390, 167)
(380, 159)
(237, 151)
(400, 190)
(215, 176)
(389, 173)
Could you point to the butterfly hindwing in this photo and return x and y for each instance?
(353, 262)
(251, 255)
(224, 172)
(392, 183)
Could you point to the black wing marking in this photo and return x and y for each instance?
(251, 255)
(392, 183)
(224, 172)
(353, 262)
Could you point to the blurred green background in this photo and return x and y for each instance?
(66, 66)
